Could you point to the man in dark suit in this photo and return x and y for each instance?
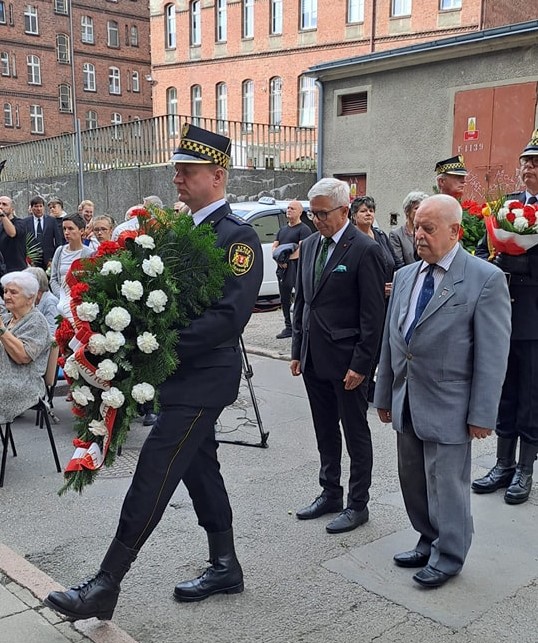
(337, 324)
(518, 409)
(182, 445)
(442, 364)
(43, 232)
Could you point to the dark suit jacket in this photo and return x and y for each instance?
(51, 238)
(339, 324)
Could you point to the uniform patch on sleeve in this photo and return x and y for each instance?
(240, 258)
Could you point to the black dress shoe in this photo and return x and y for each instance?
(149, 419)
(284, 334)
(411, 558)
(430, 577)
(322, 505)
(348, 520)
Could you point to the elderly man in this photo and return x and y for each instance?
(182, 445)
(288, 237)
(518, 410)
(451, 176)
(337, 324)
(12, 237)
(439, 382)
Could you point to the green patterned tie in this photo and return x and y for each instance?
(321, 260)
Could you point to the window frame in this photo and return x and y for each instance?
(37, 119)
(66, 95)
(247, 104)
(66, 59)
(8, 115)
(133, 36)
(61, 7)
(308, 15)
(112, 27)
(172, 111)
(135, 82)
(276, 17)
(87, 33)
(355, 7)
(3, 19)
(31, 20)
(91, 118)
(247, 19)
(275, 102)
(196, 104)
(401, 8)
(89, 77)
(221, 107)
(307, 101)
(221, 20)
(195, 12)
(456, 5)
(170, 26)
(114, 81)
(33, 68)
(5, 67)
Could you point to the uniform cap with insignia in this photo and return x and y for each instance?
(453, 165)
(532, 146)
(199, 145)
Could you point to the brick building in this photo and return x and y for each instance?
(61, 59)
(244, 60)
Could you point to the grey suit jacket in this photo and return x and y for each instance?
(403, 247)
(453, 369)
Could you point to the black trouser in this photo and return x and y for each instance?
(286, 284)
(518, 408)
(330, 404)
(180, 446)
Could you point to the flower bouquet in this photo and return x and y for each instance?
(473, 227)
(513, 228)
(129, 303)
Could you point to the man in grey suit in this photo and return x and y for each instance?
(439, 383)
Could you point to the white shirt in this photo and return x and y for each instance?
(200, 215)
(336, 238)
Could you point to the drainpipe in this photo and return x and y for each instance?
(319, 171)
(482, 15)
(372, 30)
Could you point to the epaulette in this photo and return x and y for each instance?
(238, 220)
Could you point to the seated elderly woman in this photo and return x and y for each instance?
(24, 346)
(45, 301)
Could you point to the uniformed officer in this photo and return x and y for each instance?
(451, 176)
(182, 445)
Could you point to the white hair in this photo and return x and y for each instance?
(153, 200)
(412, 198)
(336, 190)
(25, 280)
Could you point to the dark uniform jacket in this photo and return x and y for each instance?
(52, 238)
(209, 371)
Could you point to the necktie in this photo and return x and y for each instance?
(426, 293)
(532, 200)
(39, 229)
(321, 260)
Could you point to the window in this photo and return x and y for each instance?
(400, 8)
(116, 120)
(64, 96)
(113, 34)
(91, 119)
(171, 110)
(31, 24)
(276, 17)
(88, 77)
(37, 124)
(134, 36)
(135, 82)
(248, 18)
(62, 48)
(307, 102)
(446, 5)
(248, 104)
(3, 15)
(34, 70)
(222, 108)
(196, 23)
(8, 115)
(275, 101)
(349, 104)
(355, 11)
(86, 30)
(4, 63)
(61, 6)
(136, 127)
(309, 14)
(170, 26)
(196, 104)
(114, 85)
(221, 20)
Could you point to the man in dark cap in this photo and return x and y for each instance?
(182, 445)
(451, 175)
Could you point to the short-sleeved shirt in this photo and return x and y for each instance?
(293, 234)
(13, 249)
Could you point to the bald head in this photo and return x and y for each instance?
(437, 224)
(293, 212)
(6, 205)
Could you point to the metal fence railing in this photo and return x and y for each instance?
(152, 141)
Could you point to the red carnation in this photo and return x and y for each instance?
(511, 217)
(529, 213)
(469, 204)
(61, 362)
(126, 235)
(140, 212)
(107, 248)
(78, 411)
(78, 290)
(461, 232)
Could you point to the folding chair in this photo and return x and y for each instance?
(43, 410)
(51, 379)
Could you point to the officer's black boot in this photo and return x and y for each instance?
(224, 576)
(520, 487)
(502, 473)
(97, 596)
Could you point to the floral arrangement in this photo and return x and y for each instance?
(513, 228)
(129, 303)
(473, 227)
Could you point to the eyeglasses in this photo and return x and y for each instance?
(529, 160)
(322, 214)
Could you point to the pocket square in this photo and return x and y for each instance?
(340, 268)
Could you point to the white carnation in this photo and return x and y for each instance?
(153, 266)
(82, 395)
(520, 223)
(71, 368)
(517, 212)
(113, 397)
(111, 268)
(118, 318)
(147, 342)
(157, 300)
(106, 370)
(143, 392)
(97, 344)
(501, 214)
(114, 341)
(132, 290)
(145, 241)
(98, 427)
(87, 311)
